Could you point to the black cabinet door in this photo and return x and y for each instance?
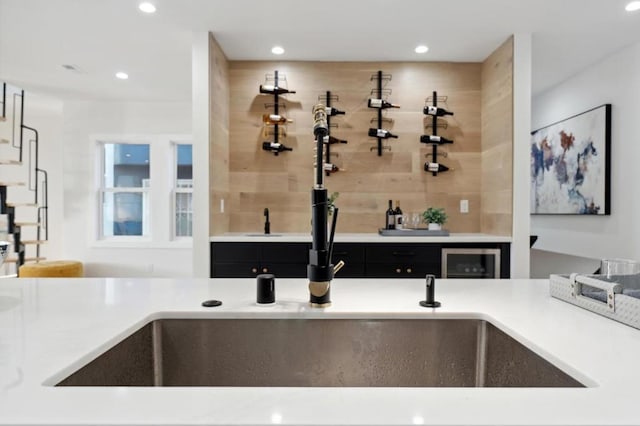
(402, 270)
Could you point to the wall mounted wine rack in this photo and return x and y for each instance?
(380, 94)
(328, 99)
(431, 109)
(275, 121)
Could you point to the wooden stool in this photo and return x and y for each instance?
(51, 269)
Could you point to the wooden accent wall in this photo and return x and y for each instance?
(497, 141)
(258, 179)
(219, 137)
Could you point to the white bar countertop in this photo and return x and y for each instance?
(51, 327)
(359, 238)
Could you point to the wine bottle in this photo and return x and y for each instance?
(275, 147)
(381, 104)
(434, 140)
(390, 217)
(380, 133)
(438, 112)
(332, 140)
(328, 167)
(333, 111)
(398, 216)
(274, 90)
(275, 119)
(435, 167)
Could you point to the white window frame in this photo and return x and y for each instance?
(179, 190)
(161, 175)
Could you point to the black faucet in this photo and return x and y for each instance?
(267, 225)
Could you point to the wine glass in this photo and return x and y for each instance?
(415, 220)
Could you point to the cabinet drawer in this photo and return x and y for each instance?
(402, 270)
(235, 270)
(406, 253)
(285, 252)
(351, 270)
(285, 270)
(349, 253)
(235, 252)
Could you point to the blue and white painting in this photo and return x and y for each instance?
(570, 165)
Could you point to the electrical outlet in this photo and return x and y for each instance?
(464, 206)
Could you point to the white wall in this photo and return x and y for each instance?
(81, 121)
(615, 80)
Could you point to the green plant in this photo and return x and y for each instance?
(435, 215)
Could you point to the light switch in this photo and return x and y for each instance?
(464, 206)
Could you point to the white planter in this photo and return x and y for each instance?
(435, 227)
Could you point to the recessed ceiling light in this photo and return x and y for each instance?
(633, 6)
(147, 7)
(277, 50)
(422, 49)
(122, 75)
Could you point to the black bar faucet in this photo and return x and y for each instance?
(267, 225)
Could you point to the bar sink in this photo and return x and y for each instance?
(320, 353)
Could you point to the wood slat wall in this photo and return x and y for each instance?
(497, 141)
(258, 179)
(219, 137)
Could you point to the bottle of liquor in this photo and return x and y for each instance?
(435, 167)
(333, 140)
(390, 217)
(438, 112)
(380, 133)
(275, 147)
(333, 111)
(398, 216)
(275, 119)
(381, 103)
(273, 90)
(434, 140)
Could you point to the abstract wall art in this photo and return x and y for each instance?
(570, 165)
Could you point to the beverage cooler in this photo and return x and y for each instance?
(470, 263)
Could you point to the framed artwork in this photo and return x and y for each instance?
(570, 165)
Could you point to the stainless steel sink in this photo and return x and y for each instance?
(320, 352)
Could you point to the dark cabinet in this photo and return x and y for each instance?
(242, 260)
(362, 260)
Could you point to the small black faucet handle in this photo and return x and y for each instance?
(431, 291)
(267, 225)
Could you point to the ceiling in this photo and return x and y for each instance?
(101, 37)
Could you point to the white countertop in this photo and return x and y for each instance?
(50, 327)
(359, 238)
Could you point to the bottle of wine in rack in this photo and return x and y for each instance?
(275, 147)
(435, 167)
(434, 140)
(333, 111)
(275, 119)
(381, 104)
(436, 111)
(270, 89)
(381, 133)
(333, 140)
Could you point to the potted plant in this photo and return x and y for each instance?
(435, 217)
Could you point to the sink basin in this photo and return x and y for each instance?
(320, 352)
(263, 235)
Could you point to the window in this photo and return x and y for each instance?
(144, 191)
(183, 191)
(125, 189)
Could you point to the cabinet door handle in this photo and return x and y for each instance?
(398, 271)
(265, 270)
(254, 270)
(409, 270)
(403, 253)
